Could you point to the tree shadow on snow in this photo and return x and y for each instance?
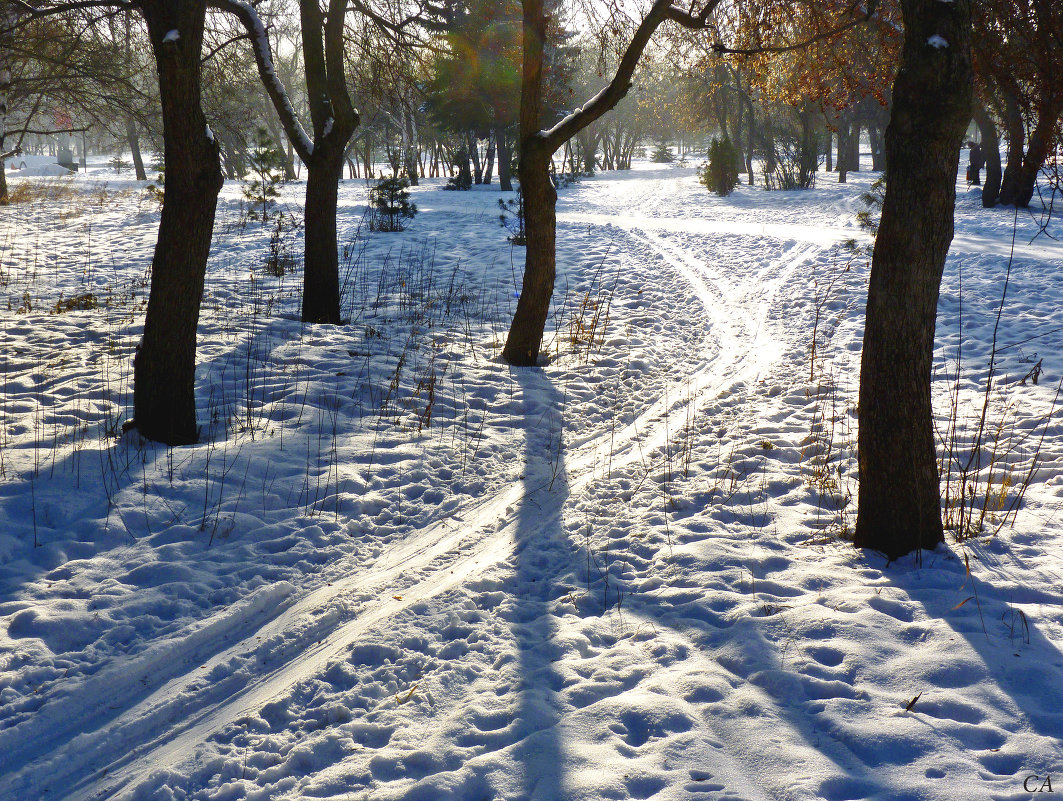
(537, 542)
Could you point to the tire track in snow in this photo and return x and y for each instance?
(232, 679)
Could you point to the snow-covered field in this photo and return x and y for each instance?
(396, 568)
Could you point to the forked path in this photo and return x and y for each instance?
(160, 707)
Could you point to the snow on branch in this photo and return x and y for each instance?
(275, 88)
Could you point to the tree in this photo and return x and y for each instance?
(164, 366)
(333, 121)
(476, 82)
(538, 145)
(1018, 53)
(8, 21)
(899, 495)
(266, 168)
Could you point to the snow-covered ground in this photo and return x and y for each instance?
(396, 568)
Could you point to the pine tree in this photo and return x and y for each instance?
(266, 164)
(390, 200)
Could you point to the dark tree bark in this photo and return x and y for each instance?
(854, 148)
(991, 151)
(844, 151)
(899, 496)
(878, 149)
(490, 166)
(505, 156)
(1015, 131)
(321, 282)
(164, 366)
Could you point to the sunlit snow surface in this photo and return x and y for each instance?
(396, 568)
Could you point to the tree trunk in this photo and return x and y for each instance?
(410, 147)
(505, 156)
(878, 152)
(854, 148)
(751, 133)
(540, 224)
(134, 149)
(474, 154)
(321, 285)
(899, 496)
(844, 150)
(590, 154)
(1015, 131)
(490, 168)
(7, 23)
(830, 152)
(164, 366)
(1019, 191)
(991, 152)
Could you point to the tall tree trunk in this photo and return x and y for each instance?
(590, 153)
(474, 154)
(8, 19)
(321, 285)
(505, 156)
(844, 149)
(878, 151)
(854, 148)
(751, 132)
(411, 148)
(899, 496)
(1015, 131)
(134, 149)
(540, 266)
(991, 151)
(164, 366)
(490, 167)
(536, 151)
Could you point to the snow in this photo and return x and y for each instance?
(36, 166)
(209, 134)
(937, 42)
(172, 36)
(621, 575)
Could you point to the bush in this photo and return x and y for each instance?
(390, 201)
(720, 175)
(868, 219)
(118, 164)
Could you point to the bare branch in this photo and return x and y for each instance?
(608, 97)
